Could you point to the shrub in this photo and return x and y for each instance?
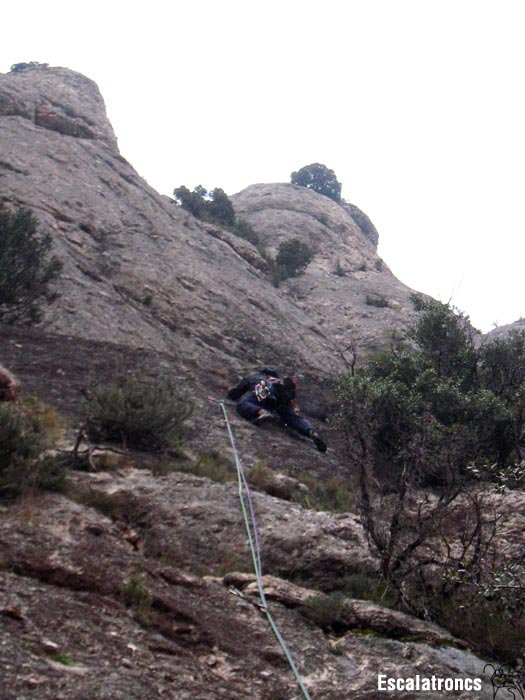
(137, 414)
(21, 67)
(434, 401)
(431, 412)
(245, 230)
(213, 465)
(327, 611)
(213, 206)
(372, 588)
(220, 209)
(26, 432)
(140, 600)
(339, 269)
(487, 624)
(332, 495)
(377, 300)
(293, 257)
(319, 178)
(26, 270)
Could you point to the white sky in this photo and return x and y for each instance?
(417, 105)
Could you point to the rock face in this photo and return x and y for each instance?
(141, 272)
(86, 612)
(503, 331)
(133, 586)
(347, 288)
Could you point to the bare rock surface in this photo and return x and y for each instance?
(85, 612)
(197, 523)
(503, 331)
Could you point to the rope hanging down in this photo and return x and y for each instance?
(255, 548)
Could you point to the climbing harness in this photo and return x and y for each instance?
(254, 543)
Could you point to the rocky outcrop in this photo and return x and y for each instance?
(198, 525)
(141, 272)
(85, 611)
(503, 331)
(58, 100)
(347, 288)
(138, 270)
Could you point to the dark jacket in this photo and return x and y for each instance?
(250, 382)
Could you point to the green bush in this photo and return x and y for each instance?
(486, 624)
(140, 600)
(377, 300)
(339, 270)
(435, 402)
(137, 414)
(433, 411)
(330, 495)
(319, 178)
(245, 230)
(21, 67)
(213, 465)
(26, 270)
(372, 588)
(213, 206)
(26, 432)
(327, 611)
(292, 259)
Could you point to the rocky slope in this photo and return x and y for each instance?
(142, 272)
(100, 597)
(133, 584)
(502, 331)
(347, 289)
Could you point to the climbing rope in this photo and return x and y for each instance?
(253, 539)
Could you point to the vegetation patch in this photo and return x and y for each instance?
(319, 178)
(423, 420)
(211, 464)
(292, 259)
(326, 610)
(377, 300)
(372, 588)
(140, 600)
(233, 558)
(333, 495)
(27, 269)
(27, 431)
(137, 414)
(63, 658)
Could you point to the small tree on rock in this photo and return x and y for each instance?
(26, 270)
(220, 208)
(292, 259)
(214, 206)
(319, 178)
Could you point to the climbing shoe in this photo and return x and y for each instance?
(262, 417)
(320, 444)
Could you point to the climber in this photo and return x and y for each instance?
(9, 386)
(270, 394)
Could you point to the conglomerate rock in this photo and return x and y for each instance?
(118, 589)
(84, 613)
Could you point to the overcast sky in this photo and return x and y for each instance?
(417, 105)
